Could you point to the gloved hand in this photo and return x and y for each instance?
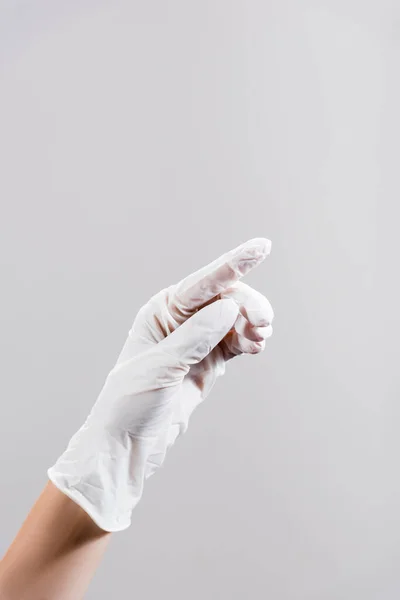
(179, 344)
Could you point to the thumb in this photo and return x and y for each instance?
(197, 336)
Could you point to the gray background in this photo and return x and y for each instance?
(140, 140)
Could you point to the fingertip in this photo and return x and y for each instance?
(250, 255)
(257, 347)
(262, 243)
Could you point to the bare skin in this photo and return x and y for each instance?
(55, 553)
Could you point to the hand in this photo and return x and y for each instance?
(179, 344)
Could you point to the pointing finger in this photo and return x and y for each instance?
(205, 284)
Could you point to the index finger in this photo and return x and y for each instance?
(206, 283)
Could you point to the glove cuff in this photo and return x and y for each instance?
(103, 476)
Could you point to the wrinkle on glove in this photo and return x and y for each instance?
(178, 345)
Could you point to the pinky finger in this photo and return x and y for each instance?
(236, 344)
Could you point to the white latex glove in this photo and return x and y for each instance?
(178, 345)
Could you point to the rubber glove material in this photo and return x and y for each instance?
(179, 344)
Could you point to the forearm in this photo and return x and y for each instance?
(55, 553)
